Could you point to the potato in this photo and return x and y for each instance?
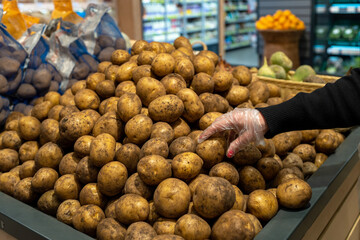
(66, 99)
(111, 178)
(8, 181)
(49, 203)
(87, 99)
(90, 194)
(125, 87)
(191, 226)
(138, 47)
(142, 71)
(15, 170)
(12, 126)
(222, 81)
(14, 116)
(148, 89)
(185, 68)
(76, 125)
(28, 150)
(82, 145)
(103, 66)
(41, 79)
(105, 89)
(85, 171)
(210, 54)
(293, 160)
(93, 80)
(124, 72)
(119, 57)
(27, 169)
(233, 224)
(268, 167)
(186, 166)
(274, 90)
(326, 142)
(109, 228)
(259, 92)
(242, 74)
(11, 140)
(24, 192)
(173, 83)
(212, 151)
(256, 223)
(237, 95)
(128, 106)
(202, 83)
(156, 47)
(204, 64)
(48, 155)
(162, 130)
(211, 203)
(164, 226)
(262, 204)
(138, 128)
(225, 170)
(110, 208)
(240, 201)
(178, 204)
(146, 58)
(135, 185)
(282, 143)
(111, 72)
(102, 150)
(181, 145)
(25, 91)
(87, 218)
(49, 131)
(69, 163)
(129, 155)
(140, 230)
(194, 135)
(67, 110)
(267, 150)
(54, 112)
(67, 187)
(214, 103)
(208, 118)
(67, 210)
(274, 101)
(44, 180)
(4, 85)
(294, 194)
(247, 104)
(320, 159)
(250, 179)
(131, 208)
(9, 159)
(182, 42)
(193, 107)
(155, 146)
(166, 108)
(153, 169)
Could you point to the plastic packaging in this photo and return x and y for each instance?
(100, 33)
(63, 9)
(13, 19)
(4, 109)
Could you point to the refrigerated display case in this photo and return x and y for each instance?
(165, 20)
(336, 44)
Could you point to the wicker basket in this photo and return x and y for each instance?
(291, 87)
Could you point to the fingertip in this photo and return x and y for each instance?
(230, 153)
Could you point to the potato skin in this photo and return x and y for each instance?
(131, 208)
(214, 103)
(27, 169)
(129, 155)
(82, 146)
(222, 80)
(233, 224)
(268, 167)
(262, 204)
(204, 64)
(184, 67)
(191, 226)
(110, 229)
(148, 89)
(8, 182)
(242, 74)
(162, 130)
(212, 151)
(108, 123)
(87, 218)
(225, 170)
(294, 194)
(102, 150)
(163, 64)
(166, 108)
(259, 92)
(68, 163)
(155, 146)
(193, 107)
(186, 165)
(85, 171)
(128, 106)
(205, 195)
(202, 83)
(48, 155)
(24, 192)
(140, 230)
(153, 169)
(90, 194)
(138, 129)
(250, 179)
(207, 119)
(177, 205)
(49, 131)
(76, 125)
(29, 128)
(48, 203)
(173, 83)
(135, 185)
(67, 187)
(111, 178)
(87, 99)
(9, 159)
(306, 152)
(67, 210)
(181, 145)
(124, 72)
(44, 179)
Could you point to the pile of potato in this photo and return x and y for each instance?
(117, 157)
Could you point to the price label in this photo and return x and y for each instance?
(334, 9)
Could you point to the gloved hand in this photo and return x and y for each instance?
(248, 125)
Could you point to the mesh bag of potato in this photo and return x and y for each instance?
(116, 156)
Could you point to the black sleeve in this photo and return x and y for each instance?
(336, 105)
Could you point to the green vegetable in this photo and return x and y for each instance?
(303, 72)
(280, 58)
(279, 71)
(266, 71)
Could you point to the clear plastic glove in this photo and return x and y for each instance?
(246, 125)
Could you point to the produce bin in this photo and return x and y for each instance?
(335, 182)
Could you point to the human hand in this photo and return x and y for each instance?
(248, 125)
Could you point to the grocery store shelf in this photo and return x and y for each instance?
(319, 49)
(238, 21)
(236, 9)
(344, 50)
(320, 8)
(242, 31)
(238, 45)
(351, 8)
(199, 30)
